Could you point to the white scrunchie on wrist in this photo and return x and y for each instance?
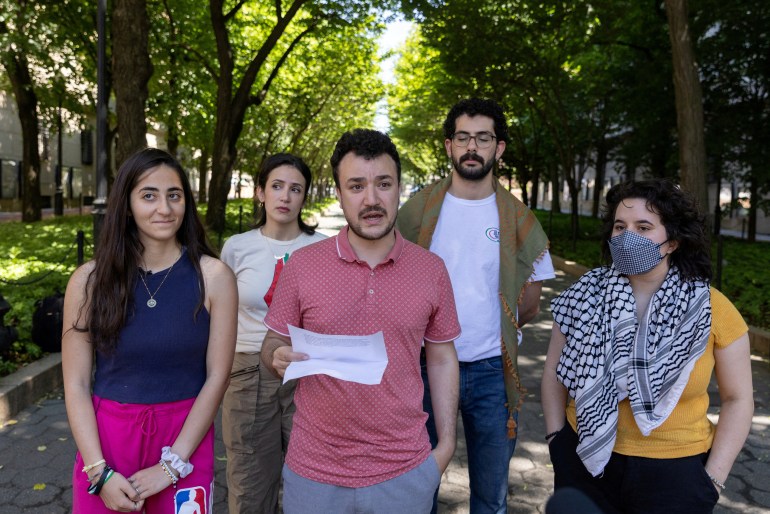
(182, 467)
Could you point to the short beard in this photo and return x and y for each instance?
(472, 174)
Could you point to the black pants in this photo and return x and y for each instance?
(635, 484)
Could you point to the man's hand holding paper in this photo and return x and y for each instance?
(361, 359)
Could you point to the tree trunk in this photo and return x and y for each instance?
(172, 122)
(575, 215)
(131, 69)
(555, 188)
(718, 165)
(574, 197)
(172, 129)
(754, 199)
(689, 104)
(523, 185)
(26, 102)
(223, 158)
(233, 99)
(203, 173)
(535, 189)
(601, 172)
(172, 140)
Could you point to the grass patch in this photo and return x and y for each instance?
(742, 281)
(37, 259)
(586, 250)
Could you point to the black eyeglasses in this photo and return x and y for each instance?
(483, 139)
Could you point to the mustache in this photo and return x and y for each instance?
(472, 155)
(372, 209)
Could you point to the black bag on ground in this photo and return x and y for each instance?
(7, 334)
(47, 322)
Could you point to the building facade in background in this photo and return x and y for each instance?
(78, 159)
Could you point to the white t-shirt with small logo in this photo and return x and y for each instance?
(467, 238)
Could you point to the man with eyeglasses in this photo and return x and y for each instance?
(497, 256)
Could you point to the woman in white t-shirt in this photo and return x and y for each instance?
(257, 410)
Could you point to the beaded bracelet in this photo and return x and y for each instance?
(96, 488)
(716, 482)
(168, 472)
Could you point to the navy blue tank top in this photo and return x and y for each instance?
(161, 352)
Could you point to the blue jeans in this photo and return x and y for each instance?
(485, 420)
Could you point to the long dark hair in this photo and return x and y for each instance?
(119, 252)
(273, 162)
(679, 214)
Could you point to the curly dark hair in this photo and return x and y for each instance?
(273, 162)
(477, 107)
(678, 212)
(365, 143)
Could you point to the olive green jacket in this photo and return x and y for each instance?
(522, 241)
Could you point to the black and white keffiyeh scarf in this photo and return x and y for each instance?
(608, 356)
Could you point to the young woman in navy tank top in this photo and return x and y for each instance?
(149, 336)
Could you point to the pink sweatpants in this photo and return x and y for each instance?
(132, 436)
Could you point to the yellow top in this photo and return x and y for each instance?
(687, 431)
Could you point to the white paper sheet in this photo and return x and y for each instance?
(361, 359)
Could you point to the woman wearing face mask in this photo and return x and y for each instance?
(257, 410)
(632, 350)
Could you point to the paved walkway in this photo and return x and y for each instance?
(37, 449)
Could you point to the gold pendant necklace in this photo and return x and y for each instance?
(152, 302)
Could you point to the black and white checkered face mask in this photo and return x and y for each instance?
(633, 254)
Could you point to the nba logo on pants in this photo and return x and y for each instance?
(190, 501)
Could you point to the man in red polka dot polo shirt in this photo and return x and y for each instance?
(356, 447)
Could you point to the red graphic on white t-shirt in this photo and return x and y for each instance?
(276, 274)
